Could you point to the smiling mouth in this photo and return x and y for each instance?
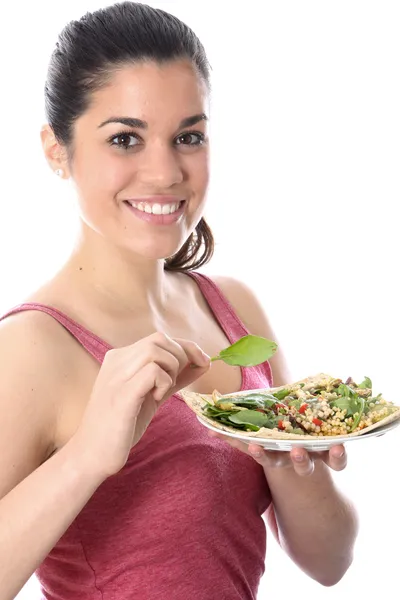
(155, 208)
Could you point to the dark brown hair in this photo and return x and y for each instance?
(86, 53)
(195, 252)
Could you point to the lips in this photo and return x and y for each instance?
(161, 211)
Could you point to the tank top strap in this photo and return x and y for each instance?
(256, 377)
(220, 306)
(91, 342)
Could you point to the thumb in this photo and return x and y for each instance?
(188, 375)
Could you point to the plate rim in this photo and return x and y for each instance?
(326, 442)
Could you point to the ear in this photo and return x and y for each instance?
(55, 153)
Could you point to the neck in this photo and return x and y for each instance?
(116, 280)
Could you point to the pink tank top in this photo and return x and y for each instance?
(182, 520)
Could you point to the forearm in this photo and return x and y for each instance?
(36, 513)
(317, 526)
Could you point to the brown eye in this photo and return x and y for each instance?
(190, 139)
(125, 141)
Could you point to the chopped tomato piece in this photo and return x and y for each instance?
(317, 422)
(303, 408)
(281, 425)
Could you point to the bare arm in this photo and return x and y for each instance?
(36, 513)
(39, 498)
(315, 524)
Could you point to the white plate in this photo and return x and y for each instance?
(316, 445)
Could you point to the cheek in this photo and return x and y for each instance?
(115, 175)
(199, 173)
(102, 174)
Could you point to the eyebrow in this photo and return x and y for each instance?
(139, 124)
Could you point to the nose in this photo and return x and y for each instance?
(160, 167)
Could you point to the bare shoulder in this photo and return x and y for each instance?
(246, 304)
(33, 361)
(33, 338)
(251, 311)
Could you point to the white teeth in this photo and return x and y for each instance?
(156, 209)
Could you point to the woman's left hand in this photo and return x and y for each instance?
(298, 458)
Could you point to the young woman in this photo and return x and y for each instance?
(110, 487)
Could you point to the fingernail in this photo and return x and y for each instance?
(206, 358)
(339, 454)
(257, 453)
(298, 457)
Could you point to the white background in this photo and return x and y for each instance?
(303, 202)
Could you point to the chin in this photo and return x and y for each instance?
(156, 251)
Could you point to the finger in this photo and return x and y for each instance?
(188, 376)
(214, 434)
(302, 462)
(151, 378)
(231, 441)
(172, 346)
(167, 361)
(195, 358)
(337, 458)
(135, 356)
(194, 353)
(298, 457)
(254, 450)
(270, 458)
(265, 458)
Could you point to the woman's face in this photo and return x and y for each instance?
(140, 158)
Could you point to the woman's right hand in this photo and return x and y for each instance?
(132, 384)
